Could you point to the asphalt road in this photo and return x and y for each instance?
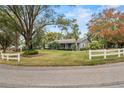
(109, 75)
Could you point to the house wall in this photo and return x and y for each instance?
(84, 44)
(66, 46)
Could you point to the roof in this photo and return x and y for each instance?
(64, 41)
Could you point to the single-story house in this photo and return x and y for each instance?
(67, 43)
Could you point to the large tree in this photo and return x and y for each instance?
(108, 25)
(8, 32)
(7, 38)
(29, 18)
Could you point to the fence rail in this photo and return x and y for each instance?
(105, 53)
(9, 56)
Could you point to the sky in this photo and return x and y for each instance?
(83, 14)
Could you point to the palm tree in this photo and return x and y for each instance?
(75, 34)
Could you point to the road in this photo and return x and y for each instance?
(108, 75)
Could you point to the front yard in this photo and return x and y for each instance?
(62, 58)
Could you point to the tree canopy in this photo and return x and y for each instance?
(108, 25)
(29, 19)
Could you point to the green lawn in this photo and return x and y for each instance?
(63, 58)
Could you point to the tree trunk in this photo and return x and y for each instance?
(28, 46)
(28, 43)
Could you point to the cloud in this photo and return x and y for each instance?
(82, 15)
(109, 6)
(103, 7)
(112, 6)
(79, 12)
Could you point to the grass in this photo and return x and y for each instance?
(63, 58)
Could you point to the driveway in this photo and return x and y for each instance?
(109, 75)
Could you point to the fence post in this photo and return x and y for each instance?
(104, 53)
(119, 53)
(90, 55)
(1, 54)
(123, 50)
(7, 57)
(18, 57)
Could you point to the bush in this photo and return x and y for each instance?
(54, 45)
(30, 52)
(95, 45)
(84, 49)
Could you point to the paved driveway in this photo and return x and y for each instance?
(109, 75)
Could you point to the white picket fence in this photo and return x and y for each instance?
(105, 53)
(10, 56)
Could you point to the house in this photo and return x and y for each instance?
(68, 43)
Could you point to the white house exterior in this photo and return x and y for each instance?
(67, 43)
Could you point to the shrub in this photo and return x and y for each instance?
(54, 45)
(30, 52)
(103, 42)
(84, 49)
(95, 45)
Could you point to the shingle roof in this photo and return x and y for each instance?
(66, 41)
(70, 40)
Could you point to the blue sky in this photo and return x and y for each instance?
(83, 14)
